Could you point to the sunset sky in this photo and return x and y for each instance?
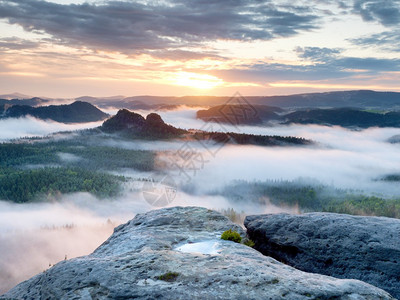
(198, 47)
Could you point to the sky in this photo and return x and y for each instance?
(66, 49)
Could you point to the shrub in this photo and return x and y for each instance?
(249, 243)
(231, 235)
(169, 276)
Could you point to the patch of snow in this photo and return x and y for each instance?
(204, 247)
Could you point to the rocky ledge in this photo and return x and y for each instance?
(342, 246)
(177, 253)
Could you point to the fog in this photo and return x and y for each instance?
(37, 235)
(341, 157)
(13, 128)
(34, 235)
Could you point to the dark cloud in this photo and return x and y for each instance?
(388, 40)
(343, 5)
(317, 54)
(369, 64)
(263, 73)
(14, 43)
(387, 12)
(328, 65)
(132, 26)
(182, 55)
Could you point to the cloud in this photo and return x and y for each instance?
(13, 128)
(320, 64)
(369, 64)
(133, 26)
(34, 235)
(183, 55)
(387, 40)
(14, 43)
(317, 54)
(386, 12)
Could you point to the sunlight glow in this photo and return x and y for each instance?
(198, 81)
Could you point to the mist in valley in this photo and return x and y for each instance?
(34, 236)
(14, 128)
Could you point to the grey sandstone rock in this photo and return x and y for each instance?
(342, 246)
(159, 255)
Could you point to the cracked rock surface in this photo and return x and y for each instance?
(338, 245)
(176, 253)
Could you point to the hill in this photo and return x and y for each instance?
(238, 114)
(134, 125)
(358, 98)
(35, 101)
(345, 117)
(77, 112)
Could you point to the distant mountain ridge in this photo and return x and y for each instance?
(77, 112)
(240, 115)
(336, 99)
(35, 101)
(266, 115)
(345, 117)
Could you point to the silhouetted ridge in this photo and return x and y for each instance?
(77, 112)
(124, 119)
(134, 125)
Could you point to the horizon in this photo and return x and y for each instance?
(22, 95)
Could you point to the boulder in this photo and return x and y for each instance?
(342, 246)
(177, 253)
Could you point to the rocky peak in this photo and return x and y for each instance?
(124, 119)
(177, 253)
(154, 119)
(135, 125)
(338, 245)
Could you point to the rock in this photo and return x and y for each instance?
(177, 253)
(124, 119)
(342, 246)
(394, 139)
(135, 125)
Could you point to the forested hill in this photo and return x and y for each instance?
(35, 101)
(238, 114)
(345, 117)
(77, 112)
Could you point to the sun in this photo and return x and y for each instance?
(198, 81)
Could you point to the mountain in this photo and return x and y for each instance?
(77, 112)
(35, 101)
(177, 253)
(338, 245)
(345, 117)
(240, 114)
(135, 125)
(260, 114)
(14, 96)
(362, 99)
(358, 98)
